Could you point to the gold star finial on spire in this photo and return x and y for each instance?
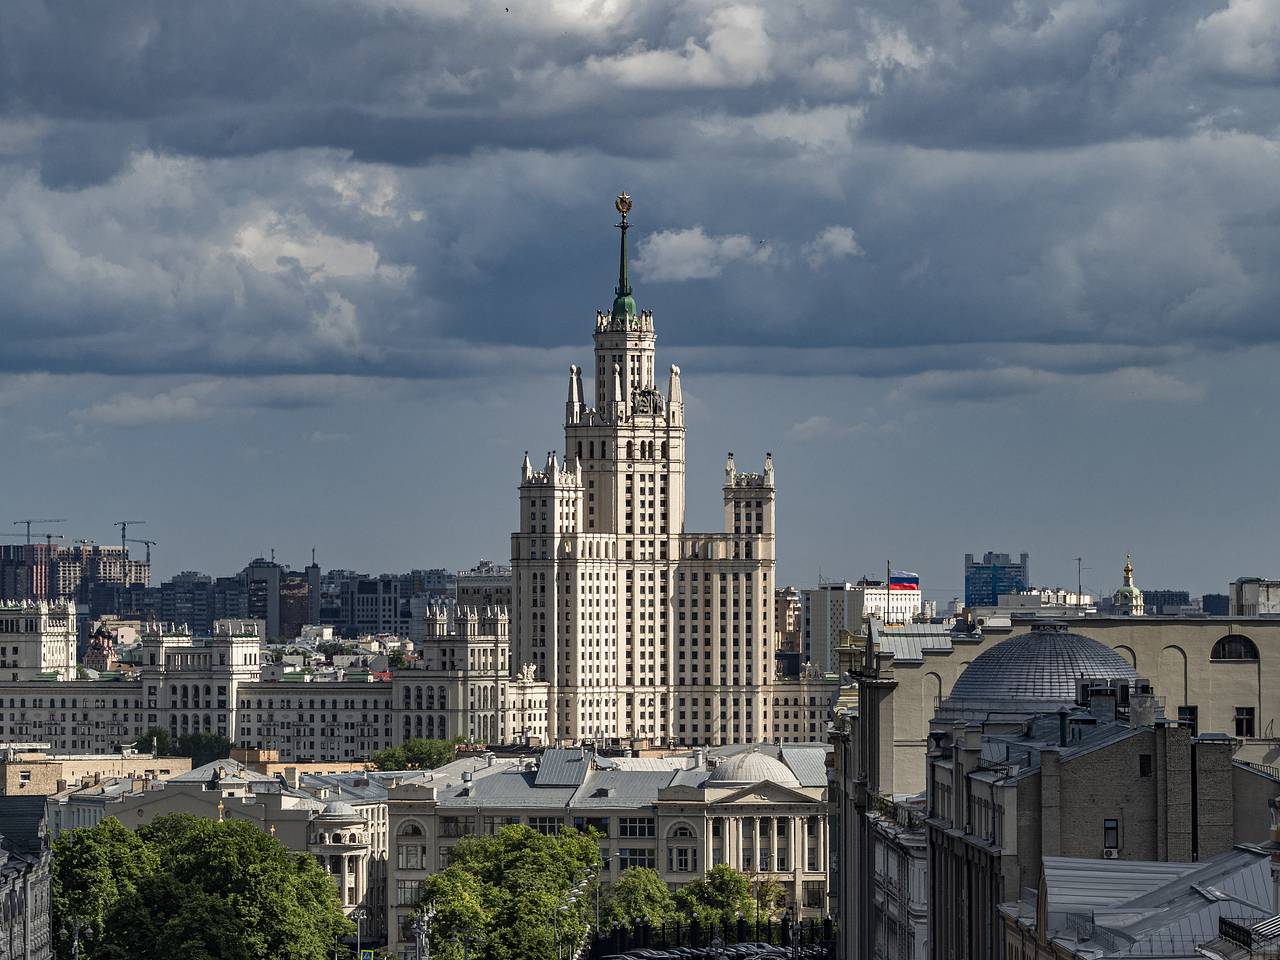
(623, 204)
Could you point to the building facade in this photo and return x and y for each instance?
(26, 914)
(837, 606)
(1254, 597)
(37, 640)
(643, 630)
(996, 573)
(762, 811)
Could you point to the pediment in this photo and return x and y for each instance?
(765, 792)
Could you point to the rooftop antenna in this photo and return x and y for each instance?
(124, 530)
(1080, 580)
(18, 523)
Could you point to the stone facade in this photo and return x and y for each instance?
(764, 815)
(645, 632)
(37, 639)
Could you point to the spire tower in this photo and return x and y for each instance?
(624, 307)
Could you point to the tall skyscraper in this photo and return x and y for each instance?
(642, 629)
(996, 573)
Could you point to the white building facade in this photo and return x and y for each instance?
(37, 638)
(645, 632)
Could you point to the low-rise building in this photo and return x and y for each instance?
(762, 810)
(29, 770)
(1091, 909)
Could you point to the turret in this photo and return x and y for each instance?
(526, 471)
(574, 407)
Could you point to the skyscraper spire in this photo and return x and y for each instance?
(624, 307)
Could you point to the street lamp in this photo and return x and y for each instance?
(555, 917)
(359, 915)
(422, 931)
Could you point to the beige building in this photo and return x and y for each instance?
(644, 631)
(37, 640)
(762, 810)
(1210, 673)
(339, 818)
(28, 770)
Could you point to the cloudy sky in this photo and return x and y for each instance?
(982, 275)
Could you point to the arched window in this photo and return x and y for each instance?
(630, 450)
(1234, 646)
(409, 830)
(664, 449)
(680, 832)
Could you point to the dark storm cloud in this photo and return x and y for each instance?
(1030, 191)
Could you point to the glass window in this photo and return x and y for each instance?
(1111, 834)
(1244, 722)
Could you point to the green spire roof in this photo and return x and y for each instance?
(624, 306)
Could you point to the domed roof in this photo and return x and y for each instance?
(753, 767)
(340, 810)
(1035, 672)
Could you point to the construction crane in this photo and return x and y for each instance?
(124, 530)
(18, 523)
(149, 543)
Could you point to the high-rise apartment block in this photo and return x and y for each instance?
(837, 606)
(642, 629)
(996, 573)
(1254, 597)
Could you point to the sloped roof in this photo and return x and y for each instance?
(22, 823)
(808, 762)
(562, 767)
(628, 789)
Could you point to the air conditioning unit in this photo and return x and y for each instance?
(1110, 853)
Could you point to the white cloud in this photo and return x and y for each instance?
(833, 243)
(693, 255)
(274, 242)
(736, 54)
(1243, 39)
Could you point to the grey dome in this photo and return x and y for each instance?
(753, 767)
(1035, 672)
(340, 810)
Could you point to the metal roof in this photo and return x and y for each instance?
(808, 762)
(22, 823)
(563, 767)
(1035, 672)
(1127, 907)
(629, 789)
(911, 641)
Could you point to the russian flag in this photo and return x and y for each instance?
(904, 580)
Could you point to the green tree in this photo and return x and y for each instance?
(93, 870)
(160, 737)
(203, 748)
(417, 754)
(196, 889)
(638, 893)
(717, 897)
(392, 758)
(428, 754)
(505, 890)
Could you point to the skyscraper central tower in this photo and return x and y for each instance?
(644, 631)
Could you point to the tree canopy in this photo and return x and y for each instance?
(193, 888)
(417, 754)
(638, 894)
(723, 893)
(502, 892)
(202, 748)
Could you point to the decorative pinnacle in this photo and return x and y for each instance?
(623, 306)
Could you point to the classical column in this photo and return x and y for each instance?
(342, 880)
(773, 843)
(726, 830)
